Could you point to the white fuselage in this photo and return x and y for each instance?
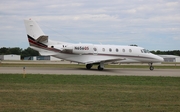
(92, 53)
(88, 54)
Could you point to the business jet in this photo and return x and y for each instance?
(88, 54)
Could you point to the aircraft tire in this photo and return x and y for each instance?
(100, 69)
(151, 68)
(88, 66)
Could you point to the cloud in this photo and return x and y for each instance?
(83, 17)
(111, 22)
(177, 38)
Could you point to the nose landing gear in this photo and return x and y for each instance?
(151, 67)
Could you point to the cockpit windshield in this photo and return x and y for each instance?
(145, 51)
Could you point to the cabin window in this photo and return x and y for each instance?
(130, 50)
(123, 50)
(142, 51)
(117, 50)
(95, 49)
(103, 49)
(110, 50)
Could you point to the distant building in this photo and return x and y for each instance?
(10, 57)
(51, 58)
(170, 58)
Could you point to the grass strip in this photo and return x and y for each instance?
(81, 93)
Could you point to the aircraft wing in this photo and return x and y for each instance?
(104, 60)
(95, 59)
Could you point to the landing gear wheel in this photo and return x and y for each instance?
(88, 66)
(151, 68)
(99, 68)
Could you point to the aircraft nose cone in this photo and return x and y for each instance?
(160, 59)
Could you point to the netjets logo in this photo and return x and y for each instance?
(81, 48)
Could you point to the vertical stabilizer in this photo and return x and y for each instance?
(34, 32)
(33, 29)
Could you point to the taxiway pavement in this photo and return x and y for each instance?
(83, 71)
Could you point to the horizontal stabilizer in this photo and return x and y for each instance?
(43, 39)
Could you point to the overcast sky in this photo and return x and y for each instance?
(152, 24)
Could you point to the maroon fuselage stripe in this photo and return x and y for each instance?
(33, 42)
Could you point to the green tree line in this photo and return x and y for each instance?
(30, 52)
(174, 52)
(18, 51)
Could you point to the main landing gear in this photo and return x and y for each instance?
(88, 66)
(151, 67)
(100, 67)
